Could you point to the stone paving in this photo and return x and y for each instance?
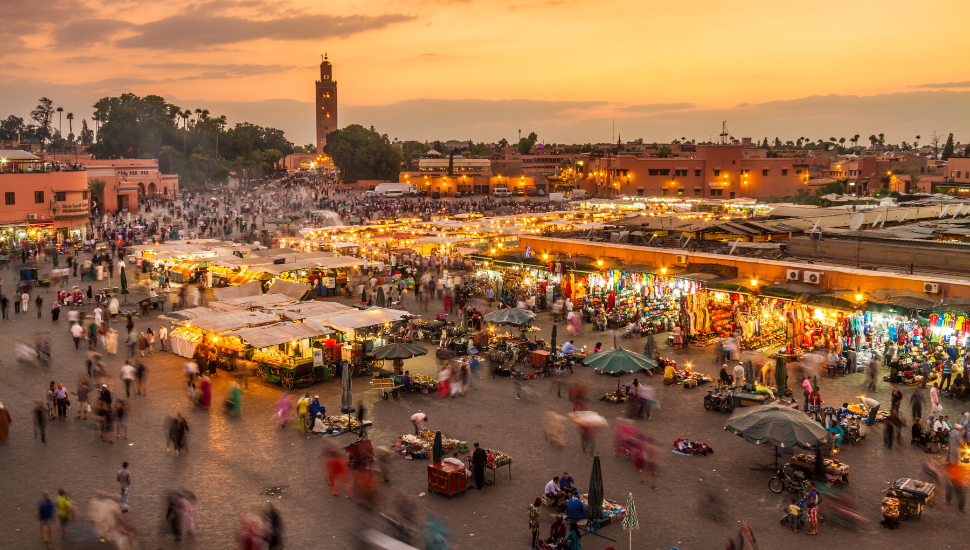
(230, 462)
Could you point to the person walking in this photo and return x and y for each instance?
(24, 300)
(39, 301)
(163, 337)
(121, 418)
(132, 341)
(40, 421)
(534, 518)
(4, 304)
(916, 403)
(65, 510)
(60, 396)
(128, 376)
(5, 421)
(82, 393)
(124, 481)
(45, 516)
(945, 375)
(479, 458)
(77, 332)
(141, 378)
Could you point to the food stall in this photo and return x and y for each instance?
(286, 352)
(186, 339)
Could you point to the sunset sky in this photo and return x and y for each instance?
(482, 69)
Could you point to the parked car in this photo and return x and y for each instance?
(519, 192)
(458, 195)
(436, 195)
(370, 188)
(531, 192)
(541, 192)
(370, 193)
(422, 193)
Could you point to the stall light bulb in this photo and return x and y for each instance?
(663, 270)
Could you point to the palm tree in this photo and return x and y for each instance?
(186, 114)
(663, 152)
(873, 140)
(96, 187)
(855, 140)
(60, 121)
(882, 139)
(842, 142)
(916, 143)
(220, 124)
(70, 126)
(198, 115)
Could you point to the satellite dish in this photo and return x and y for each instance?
(901, 220)
(943, 212)
(879, 217)
(733, 246)
(957, 213)
(814, 227)
(857, 220)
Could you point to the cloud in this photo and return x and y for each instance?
(88, 32)
(83, 59)
(650, 108)
(198, 30)
(225, 70)
(964, 84)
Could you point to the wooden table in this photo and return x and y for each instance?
(540, 358)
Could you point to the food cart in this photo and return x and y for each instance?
(287, 352)
(447, 479)
(913, 495)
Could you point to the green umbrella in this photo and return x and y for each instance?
(510, 316)
(618, 361)
(124, 282)
(749, 374)
(56, 259)
(630, 521)
(380, 301)
(594, 505)
(781, 375)
(437, 454)
(777, 425)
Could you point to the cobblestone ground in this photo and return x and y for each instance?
(231, 462)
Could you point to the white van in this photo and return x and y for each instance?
(502, 192)
(579, 194)
(558, 197)
(393, 194)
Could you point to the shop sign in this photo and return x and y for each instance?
(75, 208)
(317, 357)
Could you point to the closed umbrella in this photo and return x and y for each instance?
(552, 343)
(651, 346)
(749, 374)
(630, 521)
(399, 351)
(594, 506)
(781, 375)
(124, 282)
(777, 425)
(437, 454)
(347, 391)
(56, 260)
(510, 316)
(381, 301)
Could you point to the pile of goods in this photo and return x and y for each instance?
(422, 445)
(187, 333)
(832, 466)
(687, 447)
(611, 509)
(270, 356)
(496, 459)
(423, 383)
(614, 397)
(683, 376)
(340, 424)
(890, 509)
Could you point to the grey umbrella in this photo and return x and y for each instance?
(381, 300)
(347, 395)
(749, 374)
(510, 316)
(777, 425)
(594, 505)
(552, 343)
(781, 375)
(399, 351)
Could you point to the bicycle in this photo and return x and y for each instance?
(795, 483)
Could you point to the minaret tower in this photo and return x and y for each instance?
(326, 94)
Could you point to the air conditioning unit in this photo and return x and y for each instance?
(793, 275)
(813, 277)
(31, 217)
(682, 258)
(931, 288)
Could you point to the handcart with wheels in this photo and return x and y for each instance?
(913, 496)
(358, 452)
(387, 385)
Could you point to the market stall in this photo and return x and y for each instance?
(192, 333)
(286, 352)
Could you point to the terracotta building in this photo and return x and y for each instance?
(41, 199)
(326, 97)
(713, 171)
(126, 181)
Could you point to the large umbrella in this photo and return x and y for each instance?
(651, 346)
(777, 425)
(437, 454)
(56, 260)
(381, 301)
(630, 521)
(781, 375)
(594, 505)
(510, 316)
(399, 351)
(347, 391)
(124, 281)
(749, 374)
(618, 361)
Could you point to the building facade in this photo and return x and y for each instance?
(714, 171)
(41, 200)
(127, 181)
(326, 99)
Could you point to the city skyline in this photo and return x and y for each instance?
(561, 69)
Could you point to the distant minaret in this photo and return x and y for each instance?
(326, 95)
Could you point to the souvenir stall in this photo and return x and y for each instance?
(651, 301)
(420, 446)
(761, 323)
(360, 332)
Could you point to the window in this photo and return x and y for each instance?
(764, 172)
(697, 173)
(653, 172)
(84, 195)
(717, 192)
(663, 193)
(10, 198)
(680, 173)
(697, 191)
(784, 171)
(60, 196)
(38, 197)
(680, 192)
(732, 194)
(639, 192)
(717, 173)
(799, 171)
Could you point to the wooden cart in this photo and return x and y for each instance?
(387, 386)
(913, 496)
(446, 478)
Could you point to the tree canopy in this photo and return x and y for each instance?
(363, 154)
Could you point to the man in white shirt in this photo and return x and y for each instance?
(163, 336)
(454, 460)
(873, 408)
(77, 332)
(128, 377)
(568, 347)
(738, 375)
(98, 315)
(553, 492)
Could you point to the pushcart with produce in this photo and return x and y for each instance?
(913, 495)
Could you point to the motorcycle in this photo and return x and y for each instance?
(719, 400)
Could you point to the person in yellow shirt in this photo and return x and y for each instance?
(302, 406)
(669, 372)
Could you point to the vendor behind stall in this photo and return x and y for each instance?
(575, 509)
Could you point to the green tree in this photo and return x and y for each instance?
(663, 152)
(948, 148)
(70, 127)
(360, 153)
(524, 146)
(43, 115)
(87, 134)
(12, 127)
(502, 143)
(96, 187)
(587, 148)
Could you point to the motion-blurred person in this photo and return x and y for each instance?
(40, 421)
(336, 466)
(45, 516)
(173, 515)
(233, 404)
(124, 481)
(554, 426)
(272, 527)
(250, 533)
(283, 407)
(65, 510)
